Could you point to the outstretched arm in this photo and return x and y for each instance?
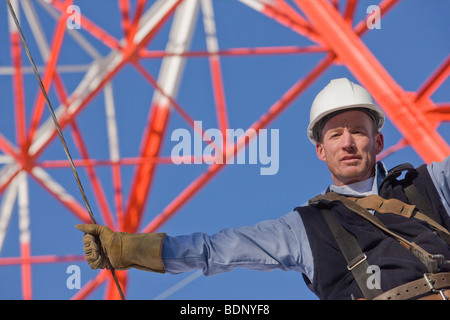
(268, 245)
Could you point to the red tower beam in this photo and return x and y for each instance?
(18, 90)
(284, 14)
(434, 81)
(323, 25)
(80, 102)
(128, 54)
(98, 190)
(124, 7)
(262, 122)
(401, 109)
(212, 46)
(90, 27)
(49, 70)
(159, 113)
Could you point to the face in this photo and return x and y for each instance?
(349, 147)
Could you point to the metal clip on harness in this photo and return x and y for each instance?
(440, 261)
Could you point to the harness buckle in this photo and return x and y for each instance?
(355, 262)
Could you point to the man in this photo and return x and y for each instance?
(334, 244)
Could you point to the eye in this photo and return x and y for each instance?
(334, 135)
(359, 132)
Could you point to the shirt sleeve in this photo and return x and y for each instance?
(268, 245)
(440, 174)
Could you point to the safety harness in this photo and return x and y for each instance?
(432, 282)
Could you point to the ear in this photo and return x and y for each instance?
(320, 151)
(379, 140)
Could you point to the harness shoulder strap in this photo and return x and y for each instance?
(414, 196)
(356, 259)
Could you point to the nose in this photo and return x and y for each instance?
(348, 142)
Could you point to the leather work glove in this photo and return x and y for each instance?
(124, 250)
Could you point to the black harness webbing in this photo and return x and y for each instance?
(356, 260)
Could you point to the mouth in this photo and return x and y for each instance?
(350, 159)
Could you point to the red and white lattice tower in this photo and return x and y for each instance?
(121, 185)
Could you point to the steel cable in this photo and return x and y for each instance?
(63, 141)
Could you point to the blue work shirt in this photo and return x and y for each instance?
(272, 244)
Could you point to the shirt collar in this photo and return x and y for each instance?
(365, 187)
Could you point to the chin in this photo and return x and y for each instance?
(351, 177)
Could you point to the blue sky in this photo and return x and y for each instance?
(412, 42)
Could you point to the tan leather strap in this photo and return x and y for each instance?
(382, 205)
(442, 295)
(398, 207)
(430, 283)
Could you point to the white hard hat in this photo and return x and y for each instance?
(339, 95)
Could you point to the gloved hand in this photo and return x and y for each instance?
(124, 250)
